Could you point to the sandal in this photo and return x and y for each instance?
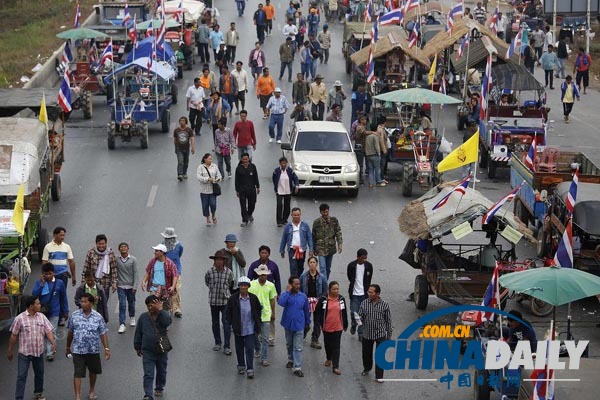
(208, 222)
(214, 220)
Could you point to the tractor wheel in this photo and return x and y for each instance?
(111, 135)
(87, 104)
(482, 392)
(165, 120)
(483, 157)
(540, 308)
(56, 189)
(42, 239)
(144, 136)
(491, 170)
(174, 92)
(460, 122)
(542, 245)
(407, 179)
(421, 292)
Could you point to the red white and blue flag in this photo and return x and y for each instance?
(127, 16)
(456, 11)
(93, 51)
(76, 21)
(369, 11)
(370, 68)
(485, 88)
(491, 298)
(530, 157)
(392, 18)
(494, 22)
(179, 13)
(487, 218)
(64, 94)
(460, 188)
(515, 45)
(375, 32)
(160, 35)
(414, 36)
(133, 34)
(410, 4)
(564, 253)
(572, 195)
(107, 54)
(543, 387)
(67, 56)
(463, 46)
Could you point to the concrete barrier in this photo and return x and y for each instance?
(47, 76)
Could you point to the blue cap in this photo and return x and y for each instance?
(231, 238)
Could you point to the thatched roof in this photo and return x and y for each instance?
(391, 41)
(442, 40)
(426, 8)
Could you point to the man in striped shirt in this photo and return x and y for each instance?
(30, 328)
(277, 106)
(377, 327)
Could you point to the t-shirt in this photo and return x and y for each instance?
(269, 10)
(265, 294)
(283, 186)
(58, 255)
(296, 235)
(159, 274)
(359, 287)
(333, 322)
(196, 95)
(568, 98)
(311, 285)
(182, 137)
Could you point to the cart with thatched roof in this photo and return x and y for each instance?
(451, 269)
(357, 37)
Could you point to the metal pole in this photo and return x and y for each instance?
(467, 67)
(588, 30)
(554, 20)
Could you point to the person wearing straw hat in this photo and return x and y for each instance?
(174, 253)
(244, 314)
(219, 281)
(266, 293)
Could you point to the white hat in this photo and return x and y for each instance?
(244, 280)
(262, 270)
(160, 247)
(168, 233)
(277, 90)
(338, 83)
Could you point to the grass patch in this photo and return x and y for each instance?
(29, 29)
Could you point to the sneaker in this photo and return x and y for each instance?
(217, 347)
(257, 354)
(270, 140)
(50, 357)
(179, 178)
(289, 364)
(229, 174)
(279, 141)
(184, 176)
(243, 224)
(39, 396)
(132, 321)
(250, 374)
(315, 345)
(122, 328)
(380, 380)
(265, 363)
(158, 393)
(227, 351)
(352, 330)
(299, 373)
(382, 184)
(241, 370)
(364, 373)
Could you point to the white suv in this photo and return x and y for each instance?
(321, 154)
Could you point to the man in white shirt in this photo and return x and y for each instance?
(241, 76)
(502, 23)
(290, 30)
(360, 273)
(548, 39)
(195, 106)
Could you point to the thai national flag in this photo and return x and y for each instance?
(391, 18)
(127, 16)
(485, 88)
(463, 46)
(491, 298)
(494, 22)
(530, 157)
(410, 4)
(64, 94)
(460, 188)
(370, 67)
(375, 32)
(403, 8)
(133, 32)
(543, 389)
(369, 11)
(564, 253)
(93, 51)
(179, 13)
(414, 36)
(515, 45)
(160, 35)
(456, 11)
(67, 56)
(487, 218)
(107, 54)
(77, 16)
(572, 195)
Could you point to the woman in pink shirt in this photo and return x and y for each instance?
(332, 315)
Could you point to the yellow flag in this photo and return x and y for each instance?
(18, 218)
(465, 154)
(43, 117)
(431, 75)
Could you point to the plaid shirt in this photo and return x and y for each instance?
(170, 272)
(326, 233)
(376, 319)
(219, 285)
(31, 329)
(91, 264)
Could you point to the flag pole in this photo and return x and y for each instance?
(476, 162)
(467, 66)
(364, 25)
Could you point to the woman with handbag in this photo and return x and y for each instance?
(152, 344)
(209, 176)
(224, 145)
(331, 314)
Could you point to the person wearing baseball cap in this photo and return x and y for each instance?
(277, 106)
(234, 259)
(220, 283)
(161, 276)
(174, 253)
(243, 312)
(267, 294)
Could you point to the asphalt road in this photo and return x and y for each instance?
(132, 194)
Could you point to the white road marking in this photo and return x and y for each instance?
(117, 308)
(152, 196)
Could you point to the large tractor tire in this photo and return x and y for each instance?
(407, 179)
(491, 169)
(56, 189)
(484, 158)
(144, 136)
(110, 140)
(42, 239)
(87, 104)
(421, 292)
(174, 92)
(165, 120)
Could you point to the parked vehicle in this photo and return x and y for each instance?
(321, 154)
(113, 11)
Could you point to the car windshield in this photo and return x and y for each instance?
(323, 141)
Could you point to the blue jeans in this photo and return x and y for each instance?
(313, 67)
(374, 165)
(245, 149)
(241, 6)
(285, 65)
(126, 298)
(227, 159)
(261, 342)
(305, 69)
(244, 350)
(296, 266)
(209, 203)
(23, 369)
(325, 265)
(276, 119)
(354, 306)
(294, 342)
(151, 362)
(216, 328)
(54, 322)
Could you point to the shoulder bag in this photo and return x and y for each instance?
(215, 186)
(163, 344)
(46, 308)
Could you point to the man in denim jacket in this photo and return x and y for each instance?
(297, 239)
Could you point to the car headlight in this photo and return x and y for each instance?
(351, 168)
(301, 167)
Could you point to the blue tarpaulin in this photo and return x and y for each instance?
(144, 49)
